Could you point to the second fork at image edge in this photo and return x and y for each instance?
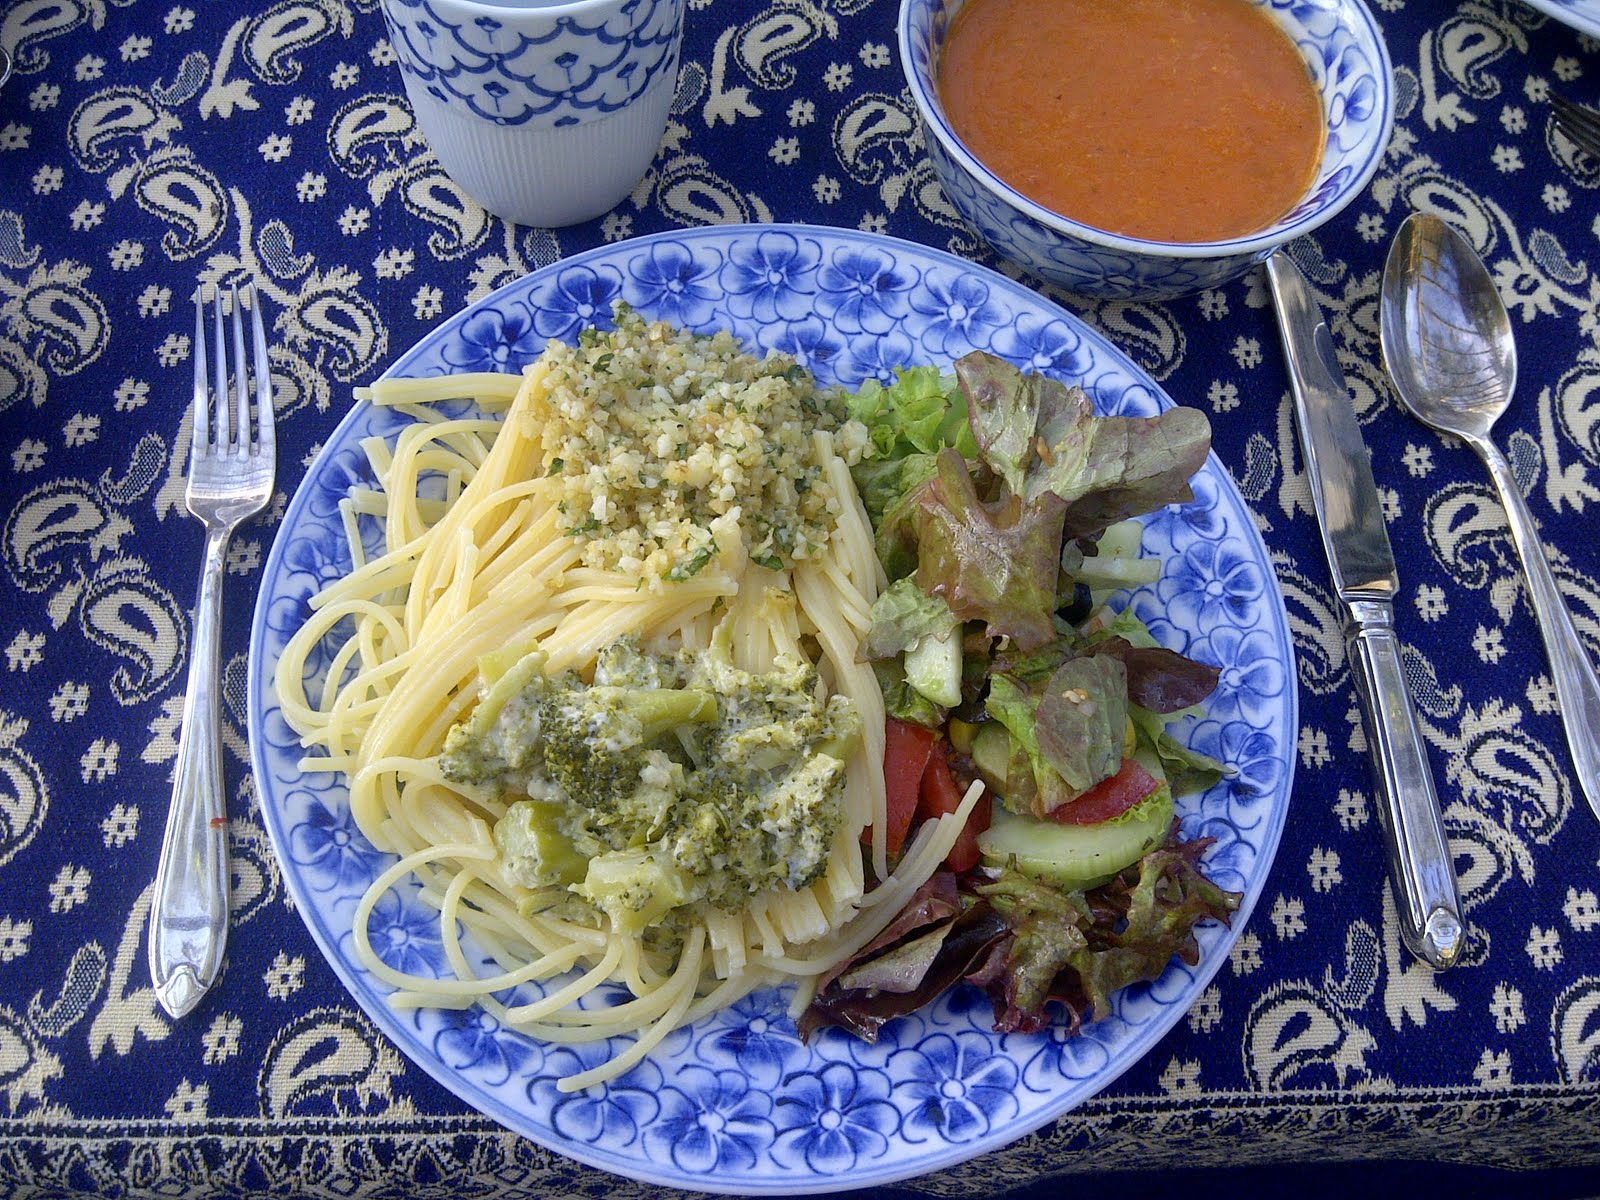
(1579, 123)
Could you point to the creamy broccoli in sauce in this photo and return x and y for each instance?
(663, 783)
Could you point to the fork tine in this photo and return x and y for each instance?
(1580, 124)
(220, 367)
(1570, 110)
(241, 380)
(202, 389)
(1584, 123)
(266, 422)
(1587, 140)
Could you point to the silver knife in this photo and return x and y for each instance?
(1357, 543)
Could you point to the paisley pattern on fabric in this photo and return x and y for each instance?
(151, 146)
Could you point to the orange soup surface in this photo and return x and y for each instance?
(1173, 120)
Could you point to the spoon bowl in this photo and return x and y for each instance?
(1448, 344)
(1446, 335)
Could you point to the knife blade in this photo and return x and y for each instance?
(1361, 559)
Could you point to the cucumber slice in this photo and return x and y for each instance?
(1076, 856)
(933, 667)
(991, 754)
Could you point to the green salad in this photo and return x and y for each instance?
(1002, 508)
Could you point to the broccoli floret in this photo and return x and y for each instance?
(665, 783)
(500, 741)
(531, 731)
(789, 692)
(799, 823)
(635, 888)
(625, 664)
(782, 835)
(779, 785)
(700, 839)
(595, 740)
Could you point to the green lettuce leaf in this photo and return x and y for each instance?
(883, 484)
(1032, 785)
(901, 700)
(1047, 935)
(1079, 948)
(1034, 667)
(921, 412)
(1187, 770)
(1149, 914)
(1067, 731)
(1126, 625)
(908, 423)
(1003, 403)
(902, 616)
(1135, 465)
(1081, 722)
(1027, 943)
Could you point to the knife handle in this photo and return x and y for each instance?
(1420, 865)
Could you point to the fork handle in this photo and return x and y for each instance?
(189, 911)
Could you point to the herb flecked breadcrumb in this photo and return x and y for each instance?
(667, 441)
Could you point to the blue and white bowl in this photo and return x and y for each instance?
(1349, 63)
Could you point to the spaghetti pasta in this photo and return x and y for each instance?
(605, 502)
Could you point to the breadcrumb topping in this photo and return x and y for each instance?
(668, 444)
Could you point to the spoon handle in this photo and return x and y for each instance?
(1577, 687)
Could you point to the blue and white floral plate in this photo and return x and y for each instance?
(1582, 15)
(737, 1103)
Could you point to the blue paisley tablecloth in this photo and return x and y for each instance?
(145, 144)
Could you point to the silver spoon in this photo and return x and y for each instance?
(1448, 345)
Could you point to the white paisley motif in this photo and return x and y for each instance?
(153, 148)
(129, 1012)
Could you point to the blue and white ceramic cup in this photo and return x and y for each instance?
(545, 113)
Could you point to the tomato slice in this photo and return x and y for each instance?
(939, 795)
(1109, 798)
(906, 748)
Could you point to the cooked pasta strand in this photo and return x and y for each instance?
(478, 555)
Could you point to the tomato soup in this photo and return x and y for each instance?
(1173, 120)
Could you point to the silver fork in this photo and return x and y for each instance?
(230, 478)
(1579, 123)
